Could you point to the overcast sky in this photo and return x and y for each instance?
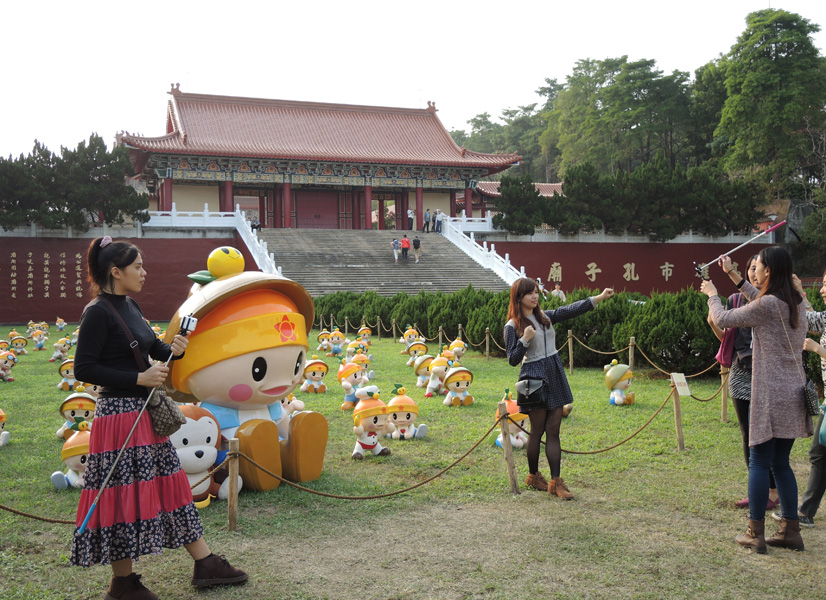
(70, 69)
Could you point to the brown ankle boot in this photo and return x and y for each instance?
(558, 488)
(129, 588)
(537, 482)
(754, 538)
(788, 536)
(216, 570)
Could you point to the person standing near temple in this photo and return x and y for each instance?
(417, 244)
(426, 228)
(410, 214)
(438, 217)
(405, 247)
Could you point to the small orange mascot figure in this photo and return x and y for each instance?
(4, 435)
(404, 411)
(371, 420)
(314, 371)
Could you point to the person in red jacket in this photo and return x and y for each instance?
(405, 247)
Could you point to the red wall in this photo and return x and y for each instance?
(45, 295)
(648, 262)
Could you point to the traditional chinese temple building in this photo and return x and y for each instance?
(308, 164)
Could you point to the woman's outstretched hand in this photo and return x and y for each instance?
(606, 293)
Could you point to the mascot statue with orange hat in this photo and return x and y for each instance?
(314, 371)
(518, 421)
(403, 412)
(371, 420)
(4, 435)
(246, 354)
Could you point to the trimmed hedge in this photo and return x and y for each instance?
(670, 328)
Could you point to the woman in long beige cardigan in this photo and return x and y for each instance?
(777, 315)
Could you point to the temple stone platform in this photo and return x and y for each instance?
(331, 260)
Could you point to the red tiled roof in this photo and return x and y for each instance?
(283, 129)
(491, 189)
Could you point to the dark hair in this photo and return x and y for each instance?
(521, 288)
(99, 263)
(779, 282)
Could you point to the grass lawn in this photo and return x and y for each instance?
(648, 521)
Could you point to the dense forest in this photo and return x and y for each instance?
(639, 148)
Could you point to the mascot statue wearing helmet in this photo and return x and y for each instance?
(246, 354)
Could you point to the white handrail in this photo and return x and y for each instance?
(487, 258)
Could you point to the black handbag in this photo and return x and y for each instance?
(166, 417)
(530, 393)
(811, 399)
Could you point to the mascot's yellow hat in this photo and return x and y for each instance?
(69, 361)
(238, 314)
(369, 407)
(364, 329)
(422, 361)
(323, 335)
(346, 369)
(401, 402)
(513, 411)
(457, 343)
(458, 374)
(315, 364)
(76, 445)
(360, 358)
(616, 372)
(2, 416)
(78, 401)
(417, 346)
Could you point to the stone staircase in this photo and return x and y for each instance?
(332, 260)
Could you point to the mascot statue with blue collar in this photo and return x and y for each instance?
(246, 354)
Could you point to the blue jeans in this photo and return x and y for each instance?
(772, 456)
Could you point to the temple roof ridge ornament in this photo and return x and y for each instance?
(431, 107)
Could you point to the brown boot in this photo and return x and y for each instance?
(129, 588)
(537, 482)
(558, 488)
(754, 538)
(216, 570)
(788, 536)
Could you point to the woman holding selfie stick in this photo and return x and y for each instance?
(147, 505)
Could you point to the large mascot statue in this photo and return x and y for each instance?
(618, 378)
(246, 354)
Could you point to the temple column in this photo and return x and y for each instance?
(405, 206)
(453, 203)
(278, 208)
(419, 208)
(468, 202)
(262, 210)
(368, 207)
(399, 213)
(380, 211)
(287, 200)
(165, 198)
(225, 197)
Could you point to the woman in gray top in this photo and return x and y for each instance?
(530, 339)
(777, 316)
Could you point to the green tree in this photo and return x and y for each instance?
(521, 207)
(775, 82)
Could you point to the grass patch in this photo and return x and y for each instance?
(648, 521)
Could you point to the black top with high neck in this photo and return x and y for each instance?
(103, 355)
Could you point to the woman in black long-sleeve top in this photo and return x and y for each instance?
(530, 339)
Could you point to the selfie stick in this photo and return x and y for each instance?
(700, 268)
(187, 325)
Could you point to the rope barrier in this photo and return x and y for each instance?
(584, 345)
(36, 517)
(495, 343)
(376, 496)
(630, 437)
(719, 389)
(367, 324)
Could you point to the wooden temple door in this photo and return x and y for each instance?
(316, 209)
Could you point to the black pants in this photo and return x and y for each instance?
(404, 253)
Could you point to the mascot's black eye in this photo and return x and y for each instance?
(375, 420)
(185, 441)
(298, 364)
(83, 459)
(209, 439)
(259, 368)
(73, 413)
(408, 416)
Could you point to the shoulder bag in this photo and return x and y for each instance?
(726, 352)
(810, 399)
(530, 393)
(166, 417)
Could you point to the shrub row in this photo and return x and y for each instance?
(670, 328)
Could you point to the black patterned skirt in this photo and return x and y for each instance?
(739, 382)
(147, 504)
